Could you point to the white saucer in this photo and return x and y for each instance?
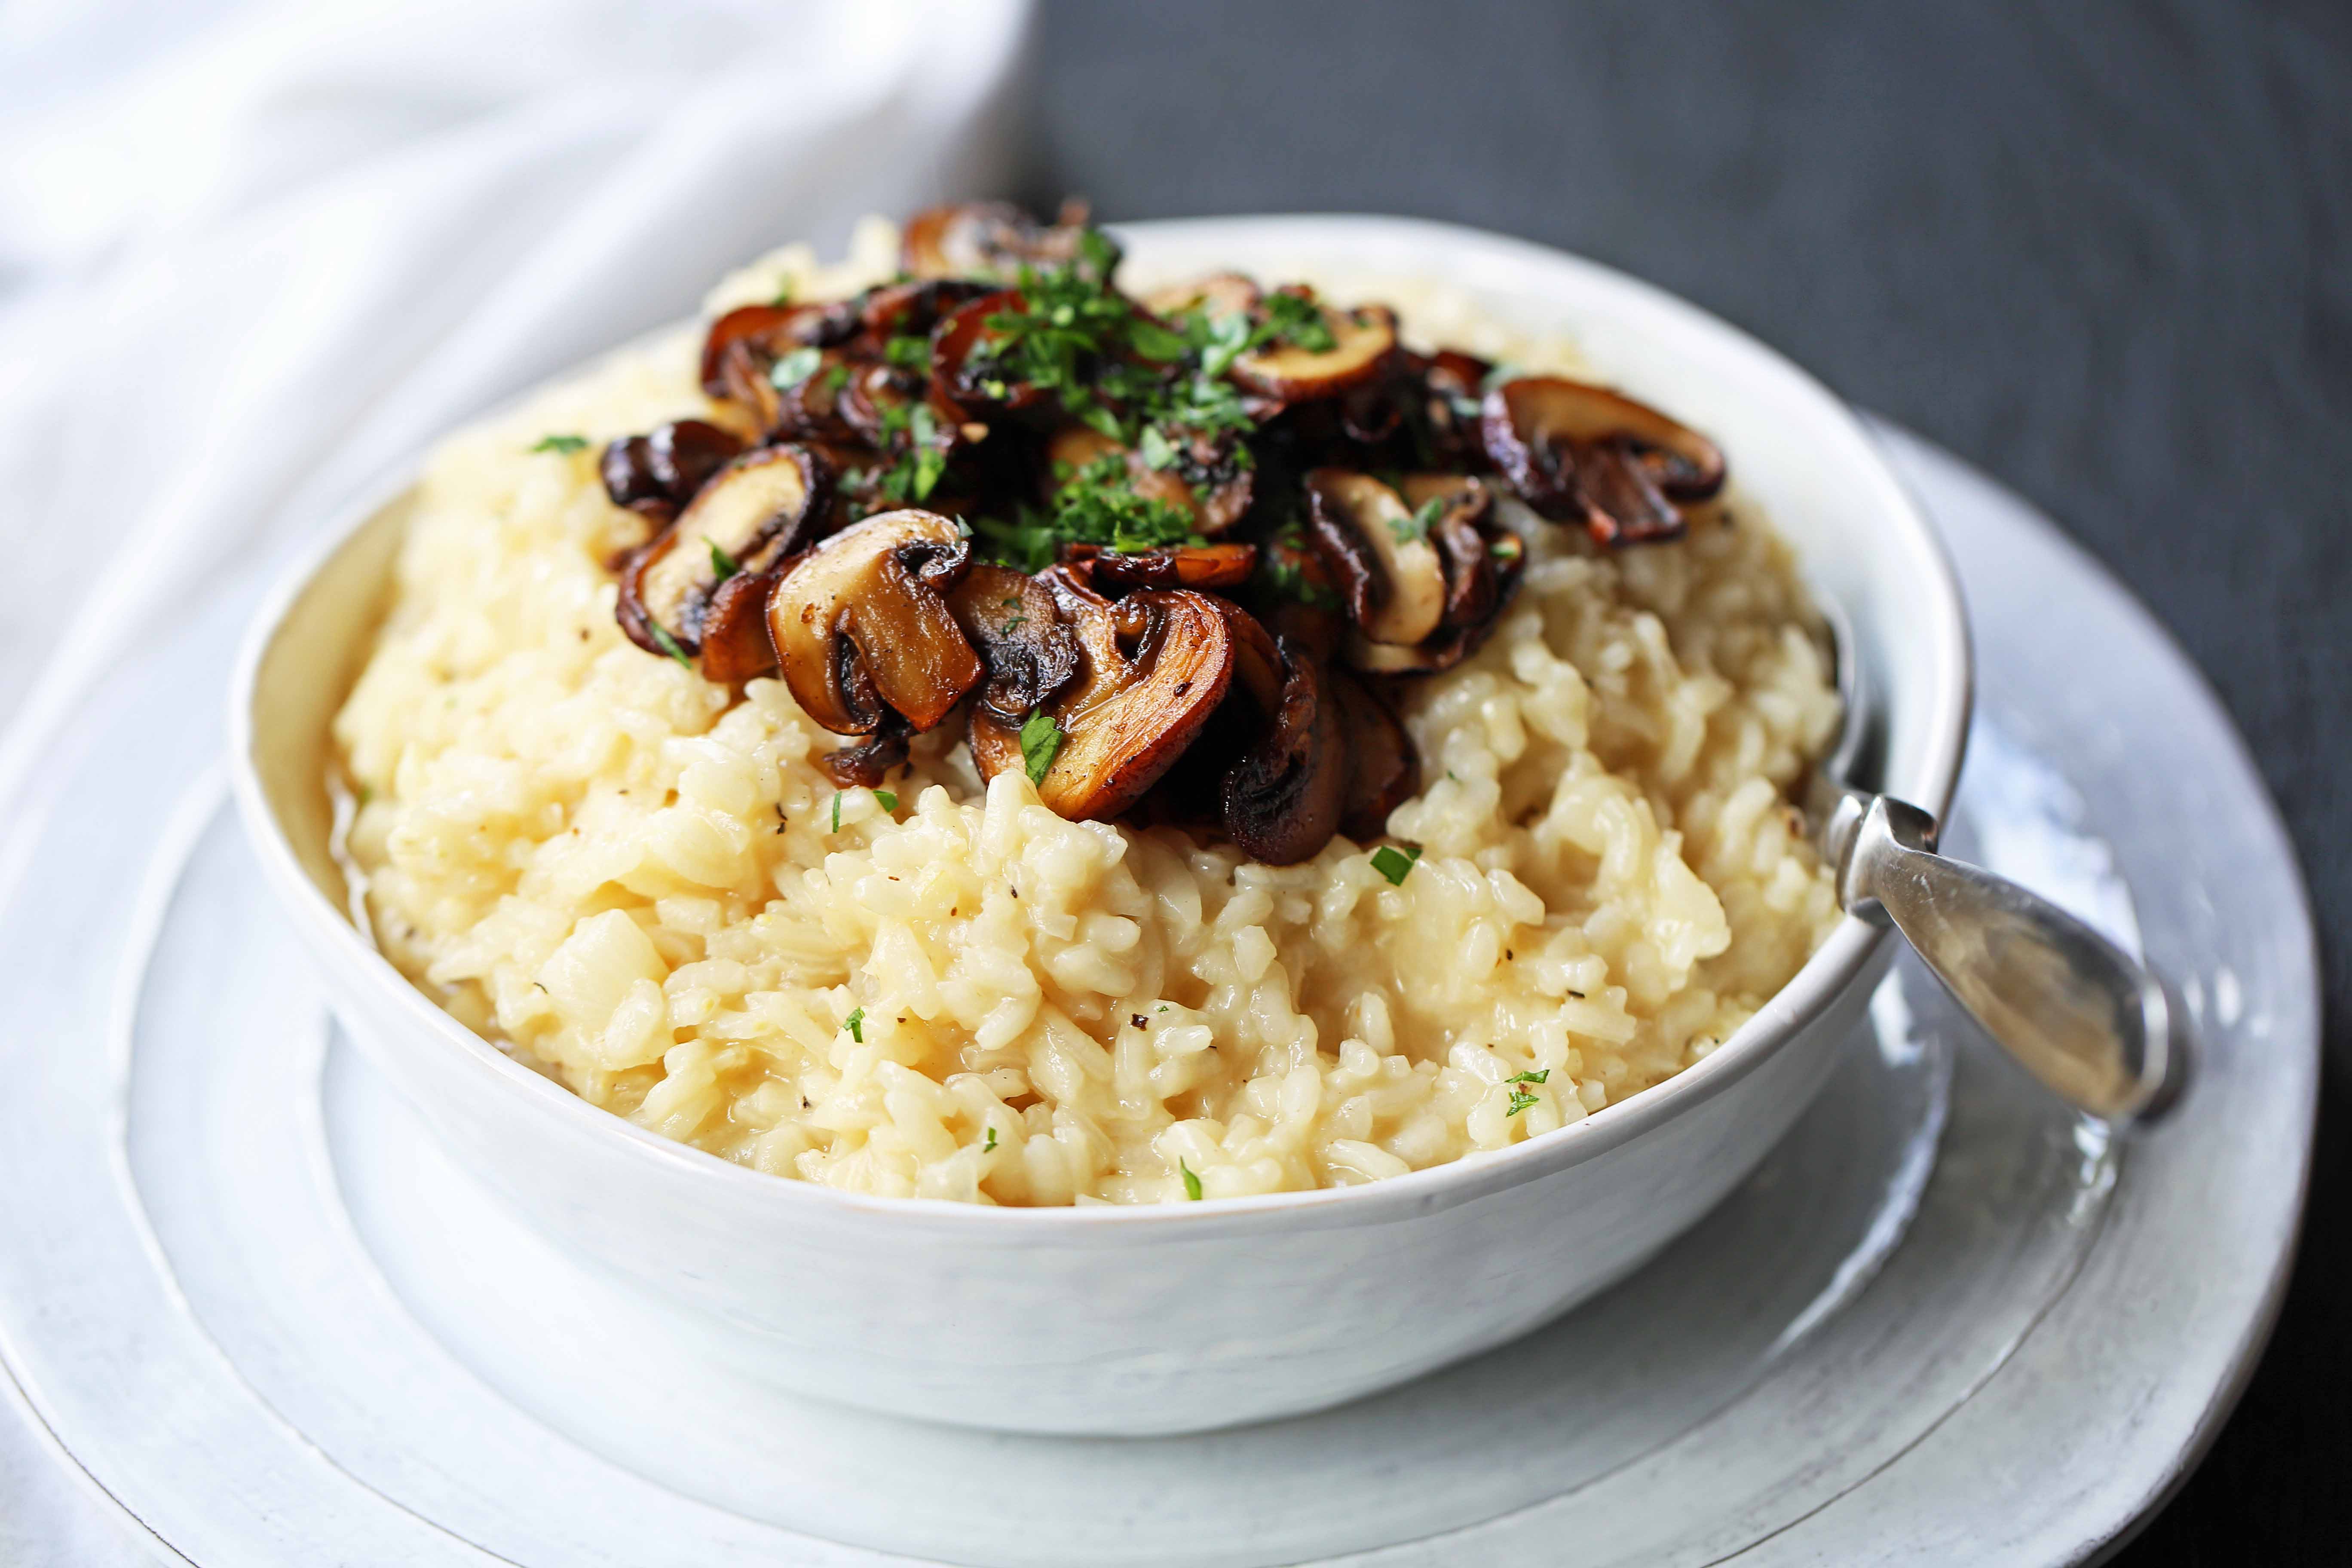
(250, 1297)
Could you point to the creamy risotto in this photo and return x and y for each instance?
(643, 884)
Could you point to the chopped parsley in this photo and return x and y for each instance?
(790, 369)
(1530, 1076)
(668, 645)
(1520, 1100)
(1394, 863)
(856, 1025)
(566, 444)
(908, 351)
(1095, 504)
(783, 294)
(991, 1144)
(1157, 451)
(726, 565)
(912, 477)
(1041, 737)
(1296, 319)
(1405, 529)
(1191, 1181)
(837, 811)
(889, 801)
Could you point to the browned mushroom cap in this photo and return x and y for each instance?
(987, 239)
(1011, 619)
(1383, 766)
(1152, 669)
(868, 762)
(862, 630)
(1362, 341)
(963, 372)
(1582, 453)
(1211, 568)
(668, 464)
(1217, 295)
(751, 514)
(744, 345)
(1388, 572)
(1284, 798)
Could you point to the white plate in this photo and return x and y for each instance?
(1942, 1323)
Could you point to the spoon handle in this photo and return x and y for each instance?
(2103, 1032)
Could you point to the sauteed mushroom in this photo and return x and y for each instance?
(862, 628)
(869, 762)
(989, 239)
(744, 346)
(1211, 568)
(1383, 766)
(1463, 547)
(1582, 453)
(1283, 799)
(693, 588)
(1389, 575)
(1362, 341)
(665, 466)
(1152, 669)
(1218, 295)
(1011, 619)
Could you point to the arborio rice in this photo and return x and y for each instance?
(649, 891)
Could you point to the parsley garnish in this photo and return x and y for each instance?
(1191, 1181)
(1520, 1100)
(910, 351)
(991, 1144)
(1094, 505)
(668, 645)
(1405, 529)
(1394, 863)
(1296, 319)
(856, 1025)
(1530, 1076)
(889, 801)
(792, 369)
(1041, 737)
(1157, 449)
(837, 811)
(726, 565)
(560, 444)
(783, 294)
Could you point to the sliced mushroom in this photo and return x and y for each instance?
(666, 465)
(1152, 669)
(750, 516)
(1383, 766)
(1585, 454)
(1388, 573)
(862, 627)
(1452, 644)
(1283, 800)
(1463, 546)
(961, 366)
(1363, 341)
(868, 762)
(1211, 568)
(1011, 619)
(744, 345)
(1218, 295)
(989, 239)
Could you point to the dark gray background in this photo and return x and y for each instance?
(2102, 251)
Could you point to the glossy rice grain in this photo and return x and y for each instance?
(653, 893)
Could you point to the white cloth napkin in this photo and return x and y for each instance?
(255, 258)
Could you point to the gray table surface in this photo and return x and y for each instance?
(2103, 252)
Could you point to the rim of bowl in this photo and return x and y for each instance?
(1836, 964)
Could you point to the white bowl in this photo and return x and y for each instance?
(1168, 1317)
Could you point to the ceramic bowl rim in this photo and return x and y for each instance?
(1835, 965)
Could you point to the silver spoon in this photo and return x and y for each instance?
(2100, 1030)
